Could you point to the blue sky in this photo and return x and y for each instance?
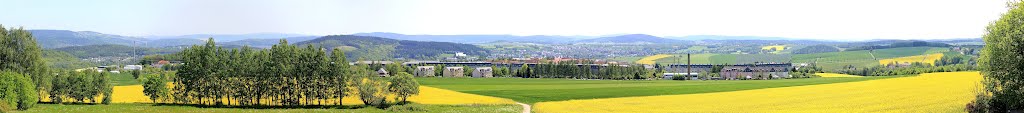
(816, 19)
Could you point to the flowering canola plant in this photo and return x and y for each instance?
(777, 48)
(932, 92)
(927, 59)
(651, 59)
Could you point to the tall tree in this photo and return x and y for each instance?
(1001, 64)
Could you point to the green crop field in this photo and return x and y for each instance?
(541, 90)
(907, 51)
(835, 60)
(628, 59)
(151, 108)
(123, 79)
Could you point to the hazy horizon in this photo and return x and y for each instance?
(800, 19)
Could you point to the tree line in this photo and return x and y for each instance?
(575, 71)
(26, 76)
(81, 86)
(284, 75)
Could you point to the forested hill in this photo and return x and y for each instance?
(376, 48)
(65, 38)
(107, 50)
(631, 38)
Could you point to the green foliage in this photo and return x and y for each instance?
(80, 86)
(373, 91)
(136, 73)
(155, 87)
(403, 85)
(93, 51)
(21, 54)
(284, 75)
(63, 60)
(1001, 60)
(17, 91)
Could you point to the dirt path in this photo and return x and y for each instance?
(526, 107)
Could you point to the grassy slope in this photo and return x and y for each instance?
(627, 59)
(123, 79)
(541, 90)
(150, 108)
(833, 60)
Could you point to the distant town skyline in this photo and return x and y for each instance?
(805, 19)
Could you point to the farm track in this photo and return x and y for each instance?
(526, 107)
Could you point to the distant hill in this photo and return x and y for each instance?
(267, 43)
(721, 37)
(231, 37)
(172, 42)
(65, 38)
(376, 48)
(474, 39)
(816, 49)
(883, 44)
(630, 38)
(107, 50)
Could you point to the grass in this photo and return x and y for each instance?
(152, 108)
(543, 90)
(626, 59)
(931, 93)
(123, 79)
(863, 58)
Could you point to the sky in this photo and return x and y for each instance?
(809, 19)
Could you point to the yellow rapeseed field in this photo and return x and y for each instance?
(935, 92)
(651, 59)
(428, 95)
(835, 75)
(927, 59)
(777, 48)
(129, 94)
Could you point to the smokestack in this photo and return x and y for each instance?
(688, 65)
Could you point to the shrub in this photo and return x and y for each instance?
(372, 91)
(17, 91)
(28, 96)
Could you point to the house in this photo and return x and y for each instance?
(424, 71)
(453, 72)
(483, 72)
(382, 73)
(133, 67)
(160, 63)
